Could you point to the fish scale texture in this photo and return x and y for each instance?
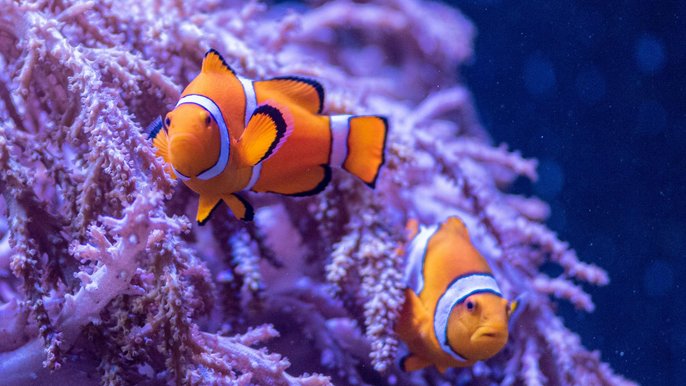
(105, 280)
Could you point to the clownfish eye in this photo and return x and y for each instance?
(471, 306)
(208, 119)
(167, 122)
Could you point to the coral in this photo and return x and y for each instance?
(103, 279)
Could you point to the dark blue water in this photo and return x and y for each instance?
(596, 91)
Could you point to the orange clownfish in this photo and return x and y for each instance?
(228, 134)
(454, 312)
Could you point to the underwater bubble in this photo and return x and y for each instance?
(590, 85)
(650, 54)
(539, 74)
(652, 118)
(550, 179)
(658, 278)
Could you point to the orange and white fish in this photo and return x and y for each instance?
(454, 313)
(228, 134)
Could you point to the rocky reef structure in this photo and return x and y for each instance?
(104, 279)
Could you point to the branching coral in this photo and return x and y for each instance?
(101, 269)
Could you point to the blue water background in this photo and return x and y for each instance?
(596, 91)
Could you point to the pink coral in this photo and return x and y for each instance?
(101, 271)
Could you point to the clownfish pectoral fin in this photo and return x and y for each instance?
(161, 143)
(420, 316)
(206, 205)
(366, 147)
(269, 127)
(154, 127)
(515, 308)
(414, 318)
(304, 92)
(240, 207)
(213, 62)
(412, 362)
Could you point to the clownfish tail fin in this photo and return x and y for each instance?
(358, 145)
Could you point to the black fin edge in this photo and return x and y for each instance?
(249, 211)
(154, 127)
(213, 51)
(383, 151)
(372, 183)
(280, 123)
(317, 189)
(401, 362)
(316, 85)
(203, 222)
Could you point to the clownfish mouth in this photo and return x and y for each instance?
(488, 341)
(488, 333)
(485, 332)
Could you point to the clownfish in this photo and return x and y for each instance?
(228, 134)
(454, 312)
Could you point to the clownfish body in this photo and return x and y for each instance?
(454, 313)
(228, 134)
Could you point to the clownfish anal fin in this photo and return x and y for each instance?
(214, 62)
(206, 205)
(268, 128)
(240, 207)
(303, 183)
(412, 362)
(304, 92)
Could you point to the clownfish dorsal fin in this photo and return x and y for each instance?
(269, 127)
(215, 63)
(454, 225)
(304, 92)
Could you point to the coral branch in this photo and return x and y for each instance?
(101, 271)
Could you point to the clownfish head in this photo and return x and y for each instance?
(194, 143)
(477, 327)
